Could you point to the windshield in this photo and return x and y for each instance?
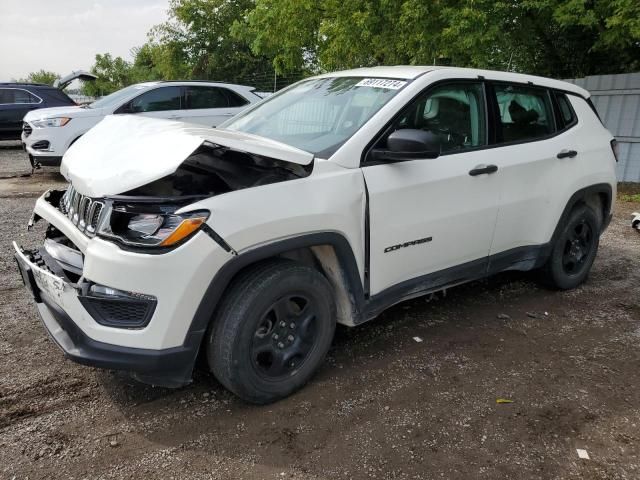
(317, 115)
(118, 97)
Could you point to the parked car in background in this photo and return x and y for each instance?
(18, 99)
(326, 203)
(48, 133)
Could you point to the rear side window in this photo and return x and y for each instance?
(158, 100)
(16, 95)
(567, 116)
(525, 113)
(206, 97)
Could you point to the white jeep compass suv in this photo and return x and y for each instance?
(326, 203)
(47, 133)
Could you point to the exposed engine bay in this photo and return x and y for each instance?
(215, 169)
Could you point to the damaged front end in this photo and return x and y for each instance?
(215, 169)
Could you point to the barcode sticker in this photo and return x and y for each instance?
(381, 83)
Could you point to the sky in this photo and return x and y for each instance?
(65, 35)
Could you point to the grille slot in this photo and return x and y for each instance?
(83, 211)
(120, 313)
(26, 128)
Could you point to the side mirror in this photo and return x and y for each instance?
(409, 144)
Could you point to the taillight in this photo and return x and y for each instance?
(615, 148)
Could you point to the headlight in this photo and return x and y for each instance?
(51, 122)
(144, 225)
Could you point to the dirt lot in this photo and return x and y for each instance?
(384, 406)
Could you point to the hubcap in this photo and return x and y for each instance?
(577, 247)
(284, 337)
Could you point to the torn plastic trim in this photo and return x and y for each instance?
(218, 239)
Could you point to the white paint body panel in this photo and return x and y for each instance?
(126, 151)
(467, 217)
(178, 279)
(423, 199)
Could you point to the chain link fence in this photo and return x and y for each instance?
(269, 82)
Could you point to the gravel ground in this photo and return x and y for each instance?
(384, 405)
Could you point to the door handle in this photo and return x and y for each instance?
(564, 153)
(227, 114)
(480, 169)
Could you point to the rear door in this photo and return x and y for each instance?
(163, 102)
(434, 216)
(533, 154)
(210, 106)
(14, 105)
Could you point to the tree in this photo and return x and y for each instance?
(197, 42)
(113, 74)
(41, 76)
(560, 38)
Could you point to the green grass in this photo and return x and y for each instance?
(630, 198)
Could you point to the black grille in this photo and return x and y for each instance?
(121, 313)
(26, 128)
(83, 211)
(40, 145)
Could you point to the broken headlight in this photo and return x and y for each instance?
(148, 225)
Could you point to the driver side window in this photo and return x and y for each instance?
(454, 112)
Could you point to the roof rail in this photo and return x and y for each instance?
(23, 84)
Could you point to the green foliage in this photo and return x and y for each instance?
(558, 38)
(244, 40)
(41, 76)
(113, 74)
(630, 198)
(198, 43)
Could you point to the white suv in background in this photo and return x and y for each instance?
(48, 133)
(326, 203)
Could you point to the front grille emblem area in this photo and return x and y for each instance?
(84, 212)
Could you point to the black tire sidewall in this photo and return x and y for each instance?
(238, 320)
(555, 271)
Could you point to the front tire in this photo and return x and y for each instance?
(574, 250)
(272, 331)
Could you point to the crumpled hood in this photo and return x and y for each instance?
(124, 152)
(71, 111)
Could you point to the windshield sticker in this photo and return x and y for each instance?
(381, 83)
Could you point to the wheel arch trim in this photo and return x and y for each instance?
(581, 196)
(222, 279)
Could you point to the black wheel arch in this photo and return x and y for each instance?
(223, 278)
(582, 196)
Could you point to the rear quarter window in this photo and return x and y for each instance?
(566, 115)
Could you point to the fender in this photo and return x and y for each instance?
(225, 275)
(581, 195)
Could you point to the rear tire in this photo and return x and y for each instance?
(574, 250)
(272, 331)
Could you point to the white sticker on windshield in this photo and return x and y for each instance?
(381, 83)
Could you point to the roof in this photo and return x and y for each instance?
(23, 84)
(206, 82)
(410, 72)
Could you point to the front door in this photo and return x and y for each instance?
(162, 102)
(435, 216)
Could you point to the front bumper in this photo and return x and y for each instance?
(163, 352)
(48, 148)
(169, 367)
